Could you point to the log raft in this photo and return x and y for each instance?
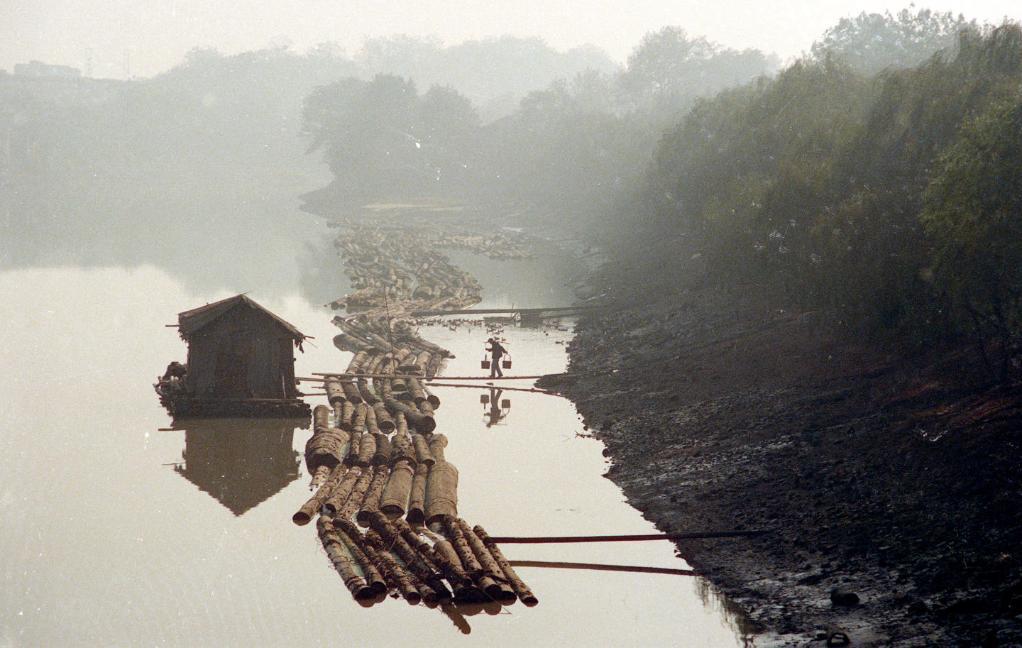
(383, 489)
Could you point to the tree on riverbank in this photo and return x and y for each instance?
(812, 185)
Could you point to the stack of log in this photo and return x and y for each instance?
(395, 271)
(385, 495)
(387, 506)
(501, 245)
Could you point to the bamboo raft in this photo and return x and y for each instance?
(385, 497)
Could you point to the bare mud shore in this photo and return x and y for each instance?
(892, 487)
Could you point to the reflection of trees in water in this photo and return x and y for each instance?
(732, 613)
(321, 271)
(240, 462)
(525, 283)
(230, 241)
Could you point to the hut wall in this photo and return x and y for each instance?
(243, 354)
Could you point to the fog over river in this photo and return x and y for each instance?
(112, 535)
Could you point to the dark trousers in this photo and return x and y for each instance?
(495, 368)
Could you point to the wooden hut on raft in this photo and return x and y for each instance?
(241, 363)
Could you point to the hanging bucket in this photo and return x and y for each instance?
(506, 364)
(485, 364)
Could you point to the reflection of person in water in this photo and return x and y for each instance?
(495, 414)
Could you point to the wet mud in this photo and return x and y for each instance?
(889, 486)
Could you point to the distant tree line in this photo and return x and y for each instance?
(566, 150)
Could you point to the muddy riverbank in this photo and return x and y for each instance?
(896, 481)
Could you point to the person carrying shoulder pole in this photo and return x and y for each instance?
(496, 353)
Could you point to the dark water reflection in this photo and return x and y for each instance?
(240, 462)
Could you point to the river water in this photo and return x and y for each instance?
(121, 528)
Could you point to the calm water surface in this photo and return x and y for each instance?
(120, 528)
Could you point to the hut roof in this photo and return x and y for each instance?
(196, 319)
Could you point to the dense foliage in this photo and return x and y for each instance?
(872, 42)
(892, 200)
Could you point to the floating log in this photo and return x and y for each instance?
(457, 538)
(416, 419)
(371, 503)
(327, 447)
(348, 388)
(419, 564)
(383, 418)
(321, 417)
(366, 391)
(351, 392)
(394, 501)
(371, 424)
(437, 443)
(334, 392)
(347, 415)
(358, 421)
(523, 592)
(416, 391)
(450, 564)
(494, 584)
(382, 455)
(431, 397)
(343, 562)
(426, 408)
(422, 452)
(422, 361)
(417, 498)
(366, 450)
(353, 447)
(358, 361)
(357, 496)
(435, 363)
(380, 342)
(319, 476)
(416, 542)
(352, 539)
(340, 494)
(441, 492)
(399, 387)
(347, 342)
(312, 506)
(376, 550)
(426, 567)
(401, 448)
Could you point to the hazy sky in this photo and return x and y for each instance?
(153, 35)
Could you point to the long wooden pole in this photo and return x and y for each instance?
(628, 538)
(637, 569)
(319, 376)
(530, 390)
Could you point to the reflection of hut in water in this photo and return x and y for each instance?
(240, 462)
(240, 363)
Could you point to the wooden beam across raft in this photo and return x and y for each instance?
(322, 376)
